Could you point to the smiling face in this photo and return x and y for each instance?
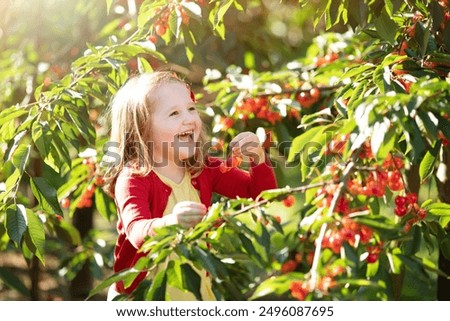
(175, 124)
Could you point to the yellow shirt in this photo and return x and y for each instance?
(184, 191)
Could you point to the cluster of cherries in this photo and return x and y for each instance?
(260, 108)
(368, 180)
(407, 205)
(300, 289)
(162, 22)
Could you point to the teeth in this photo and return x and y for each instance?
(190, 132)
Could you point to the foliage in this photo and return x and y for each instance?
(352, 116)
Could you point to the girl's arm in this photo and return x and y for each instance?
(137, 221)
(133, 206)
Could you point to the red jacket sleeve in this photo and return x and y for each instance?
(239, 183)
(132, 201)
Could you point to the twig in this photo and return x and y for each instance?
(323, 229)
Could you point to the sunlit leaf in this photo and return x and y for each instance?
(427, 164)
(35, 235)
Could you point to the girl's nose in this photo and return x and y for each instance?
(188, 117)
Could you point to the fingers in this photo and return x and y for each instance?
(188, 207)
(189, 220)
(247, 144)
(188, 214)
(244, 138)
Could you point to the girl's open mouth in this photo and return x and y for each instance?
(187, 136)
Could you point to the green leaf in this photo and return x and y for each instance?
(380, 129)
(386, 27)
(157, 291)
(372, 269)
(191, 280)
(143, 65)
(388, 144)
(389, 7)
(276, 285)
(104, 204)
(20, 157)
(16, 222)
(10, 114)
(223, 10)
(249, 248)
(271, 194)
(356, 70)
(67, 232)
(427, 164)
(300, 142)
(108, 6)
(41, 135)
(116, 277)
(190, 43)
(422, 36)
(80, 118)
(35, 235)
(416, 140)
(45, 195)
(210, 263)
(60, 147)
(377, 222)
(438, 209)
(394, 262)
(175, 23)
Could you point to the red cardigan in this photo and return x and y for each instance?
(141, 199)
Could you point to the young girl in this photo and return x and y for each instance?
(162, 176)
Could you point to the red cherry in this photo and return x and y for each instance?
(65, 203)
(411, 198)
(152, 39)
(400, 201)
(160, 30)
(289, 201)
(421, 214)
(277, 218)
(315, 93)
(400, 211)
(288, 266)
(372, 258)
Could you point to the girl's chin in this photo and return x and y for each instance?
(185, 157)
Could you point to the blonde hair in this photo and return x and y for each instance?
(130, 115)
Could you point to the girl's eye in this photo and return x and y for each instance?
(192, 108)
(174, 113)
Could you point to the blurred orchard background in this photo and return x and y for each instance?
(350, 99)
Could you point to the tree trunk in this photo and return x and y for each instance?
(81, 285)
(34, 272)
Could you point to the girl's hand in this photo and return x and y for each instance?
(247, 144)
(186, 214)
